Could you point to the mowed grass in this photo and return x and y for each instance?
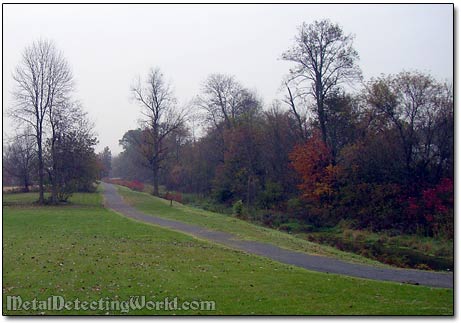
(242, 229)
(84, 251)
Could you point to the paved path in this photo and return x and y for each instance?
(114, 201)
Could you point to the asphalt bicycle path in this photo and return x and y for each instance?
(114, 201)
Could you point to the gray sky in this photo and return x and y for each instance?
(108, 46)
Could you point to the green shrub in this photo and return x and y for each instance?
(272, 219)
(222, 195)
(271, 196)
(295, 206)
(188, 199)
(237, 208)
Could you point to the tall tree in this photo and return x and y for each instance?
(132, 163)
(64, 118)
(342, 121)
(324, 58)
(161, 117)
(221, 102)
(42, 81)
(222, 99)
(105, 159)
(280, 133)
(74, 161)
(419, 109)
(232, 112)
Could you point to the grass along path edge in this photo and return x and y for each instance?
(244, 230)
(85, 251)
(318, 263)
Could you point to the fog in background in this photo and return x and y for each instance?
(109, 46)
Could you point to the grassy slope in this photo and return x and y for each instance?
(83, 250)
(244, 230)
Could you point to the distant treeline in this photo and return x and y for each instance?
(379, 157)
(372, 154)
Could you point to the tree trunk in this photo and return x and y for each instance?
(26, 185)
(319, 97)
(321, 112)
(54, 190)
(248, 191)
(155, 182)
(54, 173)
(41, 175)
(155, 163)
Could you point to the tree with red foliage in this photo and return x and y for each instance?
(312, 161)
(434, 208)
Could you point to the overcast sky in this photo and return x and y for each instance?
(108, 46)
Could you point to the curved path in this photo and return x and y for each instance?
(114, 201)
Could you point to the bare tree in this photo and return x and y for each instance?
(43, 81)
(225, 102)
(421, 110)
(324, 59)
(161, 117)
(222, 98)
(293, 98)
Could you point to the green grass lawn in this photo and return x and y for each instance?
(244, 230)
(84, 251)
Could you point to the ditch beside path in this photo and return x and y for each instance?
(114, 201)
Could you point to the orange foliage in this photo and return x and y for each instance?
(312, 161)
